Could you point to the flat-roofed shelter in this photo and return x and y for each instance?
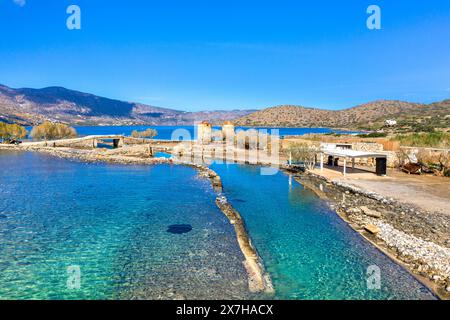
(381, 159)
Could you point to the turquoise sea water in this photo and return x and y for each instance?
(128, 229)
(307, 249)
(112, 222)
(165, 132)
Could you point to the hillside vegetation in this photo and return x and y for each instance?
(371, 115)
(431, 139)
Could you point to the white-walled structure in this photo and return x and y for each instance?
(390, 123)
(204, 132)
(228, 131)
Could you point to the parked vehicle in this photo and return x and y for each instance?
(14, 141)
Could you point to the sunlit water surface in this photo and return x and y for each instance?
(114, 222)
(307, 249)
(155, 232)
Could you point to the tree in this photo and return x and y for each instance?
(148, 133)
(49, 131)
(135, 134)
(17, 132)
(12, 131)
(303, 153)
(3, 130)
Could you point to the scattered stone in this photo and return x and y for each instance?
(222, 199)
(373, 229)
(354, 210)
(370, 212)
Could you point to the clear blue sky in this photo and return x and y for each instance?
(226, 54)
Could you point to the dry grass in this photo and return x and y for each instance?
(430, 140)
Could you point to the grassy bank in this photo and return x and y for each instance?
(431, 140)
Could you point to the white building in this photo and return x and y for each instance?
(390, 123)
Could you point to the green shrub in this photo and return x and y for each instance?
(373, 135)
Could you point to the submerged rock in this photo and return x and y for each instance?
(179, 228)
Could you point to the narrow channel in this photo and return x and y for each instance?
(307, 249)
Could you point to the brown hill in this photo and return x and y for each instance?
(363, 115)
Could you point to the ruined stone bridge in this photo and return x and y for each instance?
(90, 141)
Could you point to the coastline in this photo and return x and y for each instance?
(393, 239)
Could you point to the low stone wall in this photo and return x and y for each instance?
(427, 155)
(367, 146)
(259, 280)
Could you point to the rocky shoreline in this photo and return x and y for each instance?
(418, 240)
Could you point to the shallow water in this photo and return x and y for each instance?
(155, 232)
(307, 249)
(111, 221)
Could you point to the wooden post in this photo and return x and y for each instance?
(321, 161)
(345, 166)
(353, 164)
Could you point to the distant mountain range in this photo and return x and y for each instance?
(29, 106)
